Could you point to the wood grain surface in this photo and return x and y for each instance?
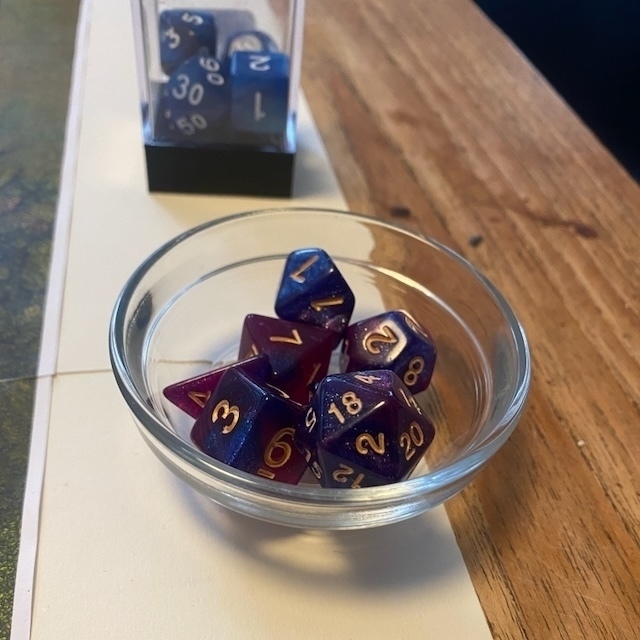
(433, 119)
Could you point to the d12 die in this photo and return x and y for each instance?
(251, 426)
(298, 353)
(184, 33)
(252, 40)
(363, 429)
(313, 291)
(259, 86)
(192, 394)
(195, 100)
(391, 340)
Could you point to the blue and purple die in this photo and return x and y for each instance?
(195, 101)
(313, 291)
(183, 33)
(298, 353)
(250, 425)
(391, 340)
(259, 89)
(363, 429)
(191, 395)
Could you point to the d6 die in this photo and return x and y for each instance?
(251, 426)
(183, 33)
(191, 395)
(259, 85)
(391, 340)
(363, 429)
(195, 100)
(298, 353)
(313, 291)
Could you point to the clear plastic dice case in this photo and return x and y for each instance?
(218, 87)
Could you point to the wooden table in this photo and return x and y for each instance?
(434, 120)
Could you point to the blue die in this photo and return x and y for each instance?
(313, 291)
(250, 40)
(259, 85)
(194, 104)
(184, 33)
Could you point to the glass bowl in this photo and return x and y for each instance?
(181, 313)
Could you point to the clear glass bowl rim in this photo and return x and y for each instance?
(470, 460)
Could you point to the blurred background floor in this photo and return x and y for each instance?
(589, 50)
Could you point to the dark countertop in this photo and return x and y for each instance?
(36, 50)
(463, 141)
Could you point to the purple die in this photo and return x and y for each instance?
(363, 429)
(259, 89)
(251, 426)
(251, 40)
(183, 33)
(192, 394)
(313, 291)
(194, 103)
(298, 353)
(392, 340)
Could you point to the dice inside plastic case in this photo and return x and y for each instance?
(218, 85)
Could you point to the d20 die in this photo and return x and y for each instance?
(392, 340)
(252, 40)
(312, 290)
(251, 426)
(259, 86)
(363, 429)
(191, 395)
(183, 33)
(298, 353)
(194, 104)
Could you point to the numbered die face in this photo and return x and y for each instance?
(252, 40)
(192, 394)
(394, 341)
(251, 426)
(194, 104)
(183, 33)
(363, 429)
(298, 354)
(259, 87)
(313, 291)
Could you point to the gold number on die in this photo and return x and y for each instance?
(384, 336)
(223, 410)
(409, 441)
(297, 276)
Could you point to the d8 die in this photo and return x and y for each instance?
(191, 395)
(391, 340)
(252, 40)
(259, 84)
(184, 33)
(251, 426)
(363, 429)
(313, 291)
(298, 353)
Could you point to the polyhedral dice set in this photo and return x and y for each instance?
(218, 90)
(279, 411)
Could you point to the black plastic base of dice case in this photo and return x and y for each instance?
(225, 170)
